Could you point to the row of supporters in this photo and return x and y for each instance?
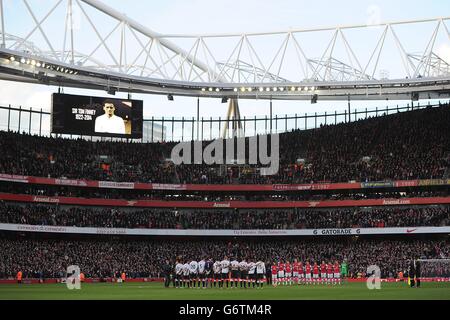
(403, 146)
(224, 218)
(316, 195)
(107, 258)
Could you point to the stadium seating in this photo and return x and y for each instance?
(105, 258)
(403, 146)
(206, 219)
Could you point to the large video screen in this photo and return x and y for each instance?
(96, 116)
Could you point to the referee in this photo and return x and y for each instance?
(167, 271)
(269, 273)
(412, 273)
(418, 273)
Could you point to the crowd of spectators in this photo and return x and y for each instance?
(403, 146)
(205, 219)
(136, 194)
(145, 258)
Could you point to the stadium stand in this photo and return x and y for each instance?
(105, 258)
(404, 146)
(135, 194)
(225, 219)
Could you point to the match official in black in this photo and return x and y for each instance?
(418, 273)
(167, 271)
(269, 273)
(411, 273)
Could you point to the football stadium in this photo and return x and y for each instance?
(213, 162)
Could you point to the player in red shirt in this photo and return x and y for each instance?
(315, 273)
(295, 269)
(337, 273)
(274, 274)
(281, 269)
(308, 273)
(323, 272)
(301, 273)
(288, 273)
(330, 272)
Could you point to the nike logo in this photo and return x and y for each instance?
(313, 203)
(410, 230)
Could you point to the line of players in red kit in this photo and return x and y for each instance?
(285, 273)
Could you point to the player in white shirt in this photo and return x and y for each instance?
(186, 274)
(260, 272)
(225, 265)
(251, 272)
(201, 273)
(193, 271)
(234, 265)
(178, 273)
(243, 273)
(217, 273)
(109, 122)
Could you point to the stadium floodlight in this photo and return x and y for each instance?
(243, 89)
(249, 89)
(292, 88)
(203, 89)
(267, 89)
(275, 89)
(217, 89)
(281, 88)
(299, 88)
(12, 59)
(23, 60)
(210, 89)
(33, 63)
(261, 89)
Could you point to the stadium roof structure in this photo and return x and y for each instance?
(98, 47)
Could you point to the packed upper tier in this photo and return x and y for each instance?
(403, 146)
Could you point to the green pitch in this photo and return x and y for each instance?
(156, 291)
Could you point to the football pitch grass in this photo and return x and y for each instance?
(156, 291)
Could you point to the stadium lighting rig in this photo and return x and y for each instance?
(175, 65)
(35, 69)
(37, 63)
(288, 89)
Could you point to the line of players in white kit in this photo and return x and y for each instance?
(245, 274)
(231, 274)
